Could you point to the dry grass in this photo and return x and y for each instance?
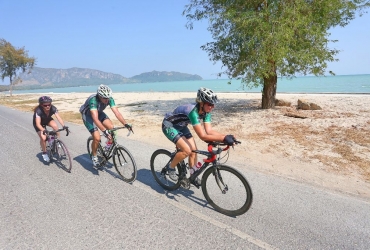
(346, 149)
(70, 116)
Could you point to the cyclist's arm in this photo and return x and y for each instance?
(60, 120)
(118, 115)
(95, 117)
(38, 123)
(204, 136)
(209, 130)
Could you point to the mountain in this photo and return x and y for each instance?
(47, 77)
(164, 76)
(59, 78)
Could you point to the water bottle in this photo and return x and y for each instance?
(108, 144)
(196, 168)
(51, 140)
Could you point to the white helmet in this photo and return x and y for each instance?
(207, 95)
(104, 91)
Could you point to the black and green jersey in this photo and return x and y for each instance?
(93, 103)
(185, 114)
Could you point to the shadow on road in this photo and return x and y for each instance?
(145, 176)
(85, 162)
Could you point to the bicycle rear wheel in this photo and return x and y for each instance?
(61, 156)
(227, 191)
(158, 163)
(125, 164)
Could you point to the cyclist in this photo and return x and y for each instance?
(175, 128)
(42, 116)
(94, 118)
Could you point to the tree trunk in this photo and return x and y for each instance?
(269, 92)
(11, 86)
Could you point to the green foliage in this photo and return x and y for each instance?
(259, 40)
(13, 61)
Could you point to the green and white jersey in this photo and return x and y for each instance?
(94, 103)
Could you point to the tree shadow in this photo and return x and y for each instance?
(221, 112)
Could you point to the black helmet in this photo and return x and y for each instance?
(44, 99)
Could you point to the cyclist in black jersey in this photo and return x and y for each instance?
(94, 118)
(175, 128)
(42, 117)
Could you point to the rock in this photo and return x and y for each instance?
(305, 105)
(279, 102)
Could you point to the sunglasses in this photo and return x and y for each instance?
(46, 105)
(210, 104)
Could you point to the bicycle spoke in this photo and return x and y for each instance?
(124, 164)
(61, 156)
(227, 190)
(158, 161)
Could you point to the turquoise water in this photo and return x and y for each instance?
(308, 84)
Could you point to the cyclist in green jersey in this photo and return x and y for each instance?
(175, 128)
(94, 118)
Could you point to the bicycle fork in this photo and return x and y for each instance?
(224, 188)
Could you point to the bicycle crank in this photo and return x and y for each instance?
(185, 183)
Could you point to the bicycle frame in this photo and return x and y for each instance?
(52, 147)
(211, 159)
(108, 154)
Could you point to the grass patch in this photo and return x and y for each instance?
(70, 116)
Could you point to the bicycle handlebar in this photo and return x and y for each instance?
(117, 128)
(52, 132)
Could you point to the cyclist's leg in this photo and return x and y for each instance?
(191, 142)
(93, 129)
(185, 151)
(42, 140)
(53, 125)
(107, 123)
(176, 136)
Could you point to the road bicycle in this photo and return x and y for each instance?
(224, 188)
(123, 161)
(57, 150)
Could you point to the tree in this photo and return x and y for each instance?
(13, 61)
(259, 41)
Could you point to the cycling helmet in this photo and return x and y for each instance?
(207, 95)
(45, 99)
(104, 91)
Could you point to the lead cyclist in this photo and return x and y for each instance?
(175, 128)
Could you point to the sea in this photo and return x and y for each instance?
(351, 84)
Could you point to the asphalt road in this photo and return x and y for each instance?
(44, 207)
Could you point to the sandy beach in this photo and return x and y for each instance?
(328, 148)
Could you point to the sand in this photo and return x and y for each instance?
(328, 148)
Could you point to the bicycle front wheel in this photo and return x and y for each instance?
(62, 157)
(124, 164)
(226, 190)
(158, 163)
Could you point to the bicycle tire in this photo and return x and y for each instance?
(158, 161)
(125, 164)
(237, 198)
(61, 156)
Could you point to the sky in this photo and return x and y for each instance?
(137, 36)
